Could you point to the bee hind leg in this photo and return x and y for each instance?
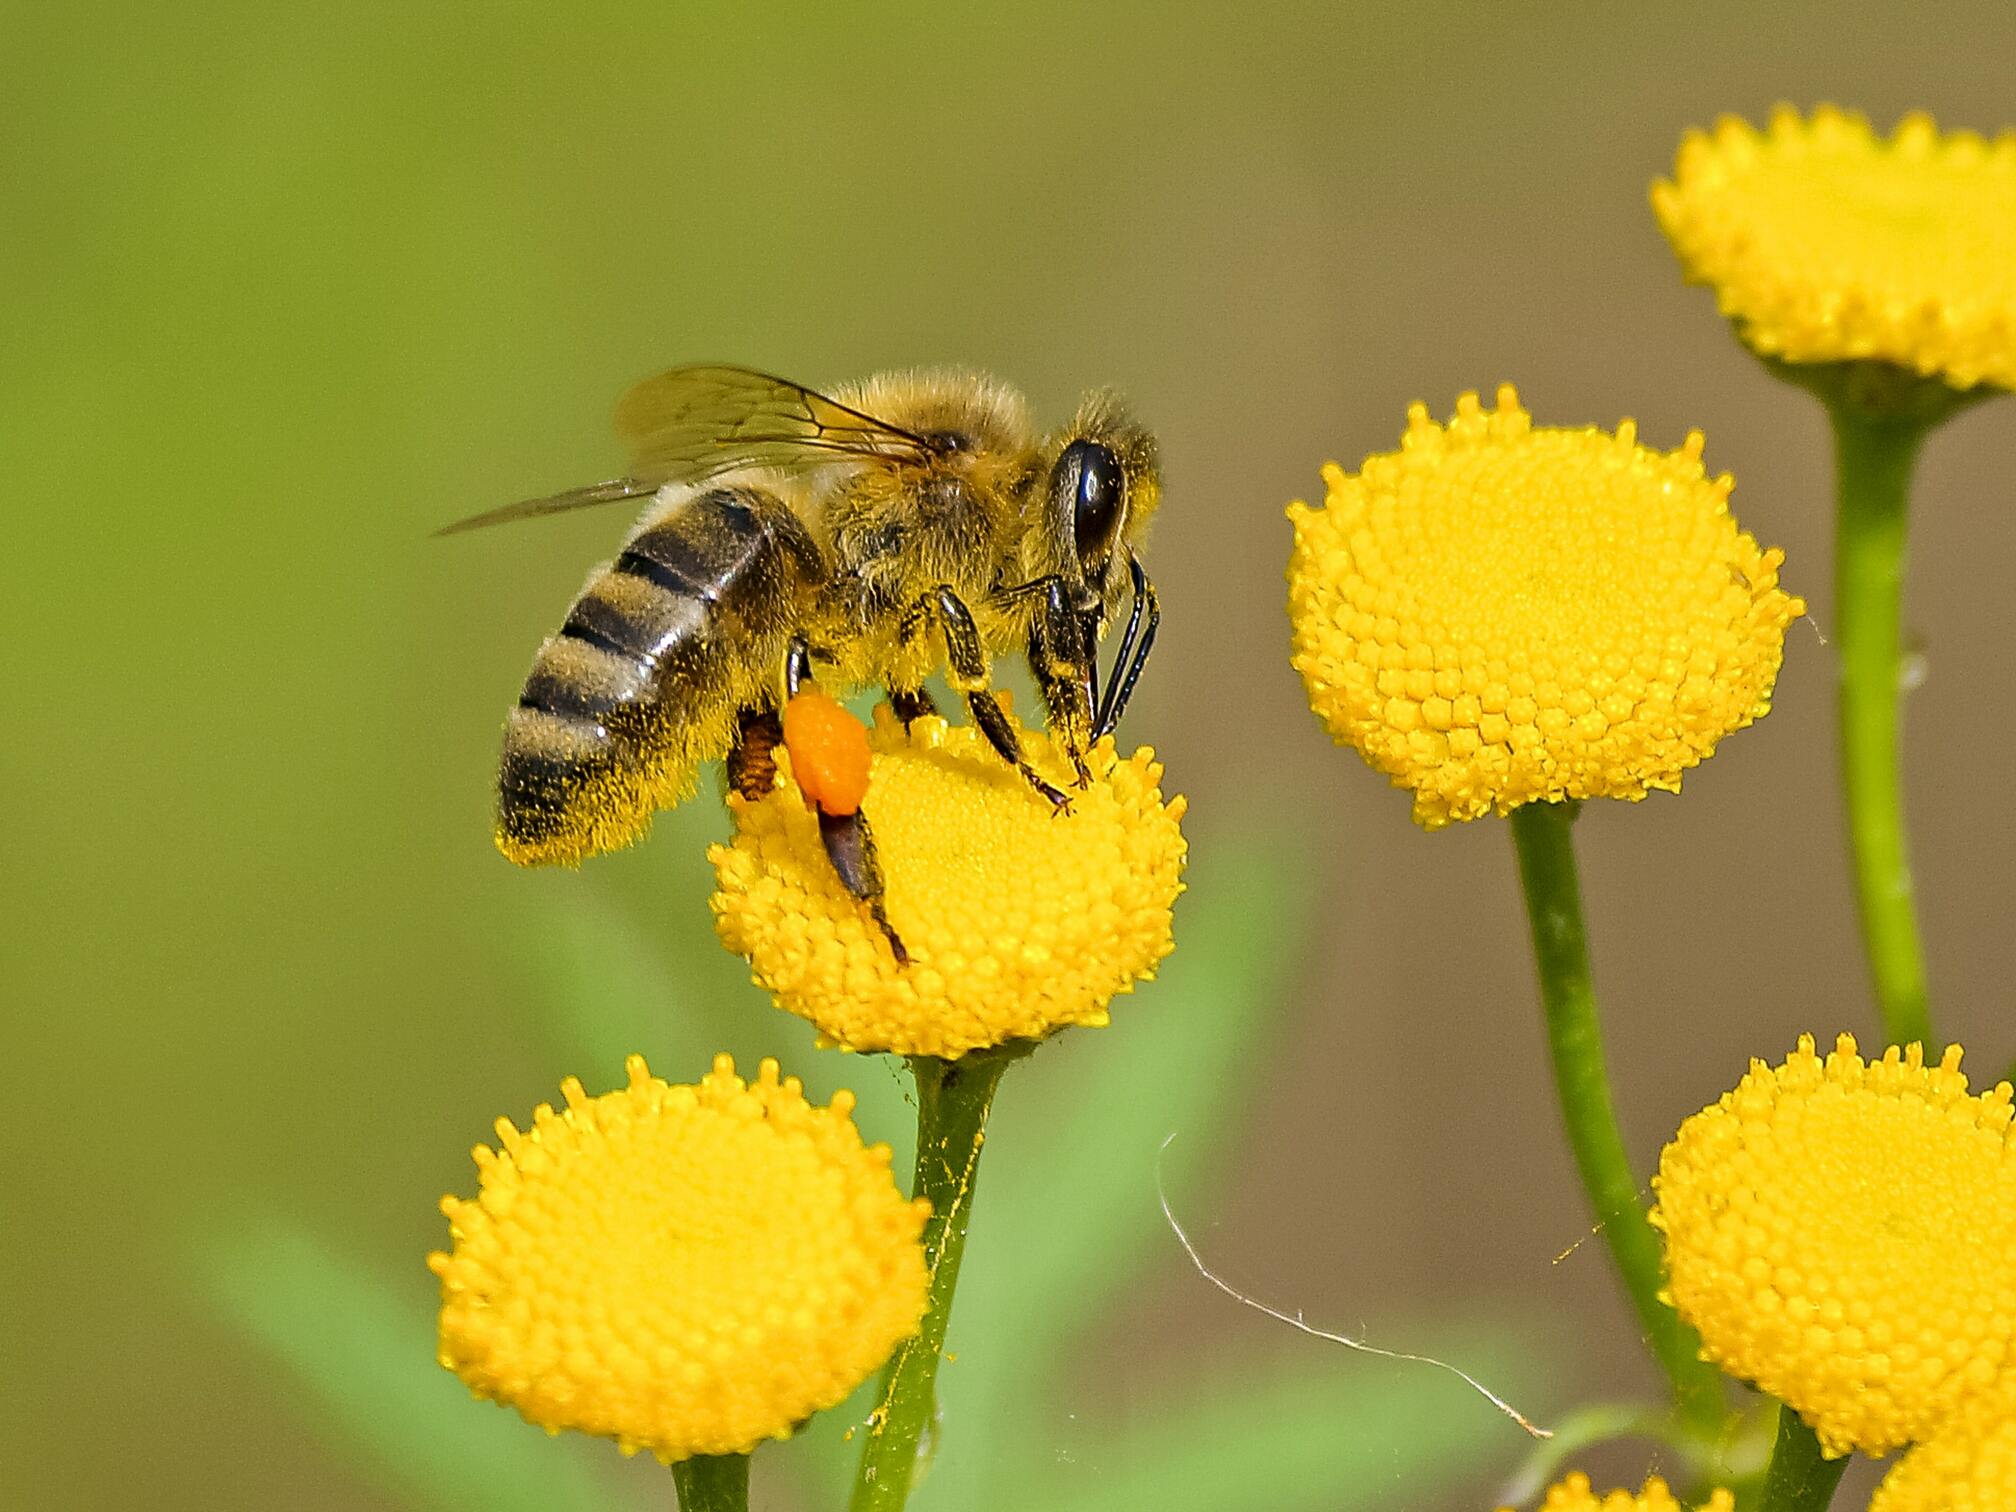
(850, 846)
(751, 767)
(849, 843)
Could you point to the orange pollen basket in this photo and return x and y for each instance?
(829, 751)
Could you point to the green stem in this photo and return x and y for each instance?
(1800, 1479)
(952, 1102)
(712, 1483)
(1545, 840)
(1873, 456)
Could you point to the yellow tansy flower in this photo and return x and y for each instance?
(1497, 614)
(1575, 1495)
(684, 1269)
(1968, 1465)
(1826, 243)
(1843, 1234)
(1018, 919)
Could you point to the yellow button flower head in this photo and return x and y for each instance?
(1018, 920)
(1968, 1465)
(1825, 243)
(1574, 1495)
(688, 1270)
(1496, 614)
(1843, 1234)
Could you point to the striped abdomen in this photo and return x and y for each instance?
(643, 682)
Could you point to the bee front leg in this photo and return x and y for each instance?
(966, 663)
(1060, 659)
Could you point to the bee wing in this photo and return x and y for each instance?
(692, 423)
(560, 503)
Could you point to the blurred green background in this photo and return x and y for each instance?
(286, 287)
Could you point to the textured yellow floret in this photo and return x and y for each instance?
(1843, 1234)
(1018, 920)
(684, 1269)
(1968, 1465)
(1497, 614)
(1574, 1495)
(1826, 243)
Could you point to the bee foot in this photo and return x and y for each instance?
(1060, 802)
(911, 707)
(889, 933)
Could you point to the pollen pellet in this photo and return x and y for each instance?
(829, 751)
(1020, 919)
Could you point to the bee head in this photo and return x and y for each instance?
(1104, 485)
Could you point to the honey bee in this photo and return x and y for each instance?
(908, 522)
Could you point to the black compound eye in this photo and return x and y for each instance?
(1095, 483)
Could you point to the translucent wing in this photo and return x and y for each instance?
(560, 503)
(693, 423)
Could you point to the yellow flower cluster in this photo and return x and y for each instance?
(684, 1269)
(1575, 1495)
(1969, 1465)
(1826, 243)
(1843, 1233)
(1018, 919)
(1497, 614)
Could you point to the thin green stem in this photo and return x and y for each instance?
(1873, 458)
(1545, 841)
(1800, 1479)
(1882, 414)
(712, 1483)
(953, 1098)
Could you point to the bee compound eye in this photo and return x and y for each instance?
(1096, 485)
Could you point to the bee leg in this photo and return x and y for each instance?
(966, 660)
(911, 704)
(850, 846)
(1060, 641)
(752, 760)
(849, 843)
(1133, 652)
(797, 666)
(987, 713)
